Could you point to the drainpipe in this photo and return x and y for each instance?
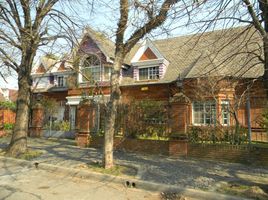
(249, 118)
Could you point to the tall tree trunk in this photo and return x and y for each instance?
(18, 144)
(265, 76)
(111, 114)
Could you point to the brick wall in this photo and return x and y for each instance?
(174, 148)
(134, 145)
(7, 116)
(229, 153)
(259, 136)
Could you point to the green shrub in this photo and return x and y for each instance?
(218, 134)
(59, 126)
(264, 120)
(8, 105)
(8, 126)
(146, 119)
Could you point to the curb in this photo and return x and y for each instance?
(124, 181)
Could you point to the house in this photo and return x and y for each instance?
(7, 94)
(206, 73)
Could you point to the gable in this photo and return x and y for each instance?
(90, 46)
(62, 67)
(41, 69)
(148, 55)
(147, 52)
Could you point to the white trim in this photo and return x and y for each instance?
(52, 73)
(84, 57)
(146, 44)
(75, 100)
(203, 102)
(227, 103)
(148, 63)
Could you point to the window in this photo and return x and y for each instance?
(51, 80)
(150, 73)
(60, 81)
(91, 69)
(225, 114)
(204, 113)
(107, 73)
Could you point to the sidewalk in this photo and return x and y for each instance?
(184, 173)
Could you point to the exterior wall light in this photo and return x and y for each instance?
(179, 82)
(39, 97)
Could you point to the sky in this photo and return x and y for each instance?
(104, 16)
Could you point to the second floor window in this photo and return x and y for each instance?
(149, 73)
(91, 69)
(60, 81)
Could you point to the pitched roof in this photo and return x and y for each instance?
(49, 65)
(104, 43)
(228, 52)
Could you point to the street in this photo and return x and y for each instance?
(23, 183)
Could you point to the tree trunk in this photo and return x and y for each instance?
(111, 115)
(237, 127)
(265, 76)
(18, 143)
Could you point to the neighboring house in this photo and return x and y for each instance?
(7, 94)
(50, 79)
(184, 68)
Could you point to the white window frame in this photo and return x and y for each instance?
(148, 68)
(109, 73)
(204, 103)
(227, 103)
(81, 67)
(60, 83)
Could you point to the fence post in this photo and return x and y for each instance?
(178, 145)
(85, 122)
(179, 114)
(37, 120)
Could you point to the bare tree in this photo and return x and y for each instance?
(25, 27)
(154, 14)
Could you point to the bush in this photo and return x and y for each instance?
(59, 126)
(8, 126)
(264, 120)
(146, 119)
(218, 134)
(8, 105)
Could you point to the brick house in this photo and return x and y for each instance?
(198, 76)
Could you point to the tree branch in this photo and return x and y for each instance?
(153, 23)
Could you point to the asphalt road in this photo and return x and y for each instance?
(23, 183)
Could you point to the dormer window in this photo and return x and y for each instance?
(60, 81)
(91, 69)
(149, 73)
(148, 63)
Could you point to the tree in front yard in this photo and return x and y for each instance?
(25, 27)
(147, 15)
